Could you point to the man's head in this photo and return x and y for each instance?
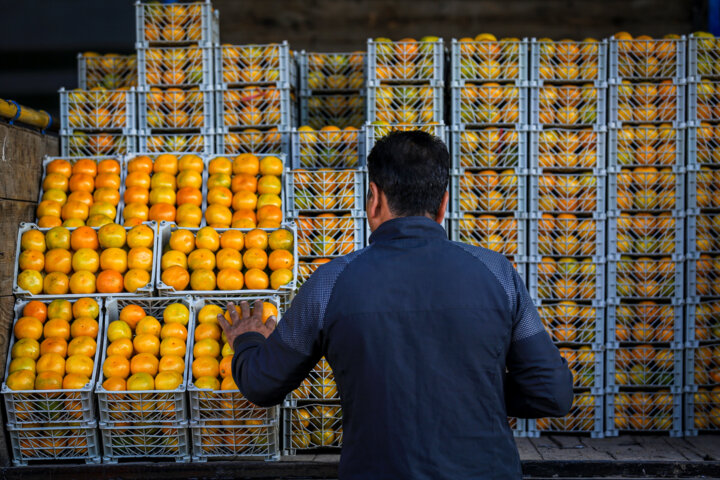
(409, 174)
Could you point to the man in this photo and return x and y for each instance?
(433, 343)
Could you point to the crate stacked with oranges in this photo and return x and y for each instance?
(145, 368)
(51, 367)
(111, 71)
(332, 89)
(223, 423)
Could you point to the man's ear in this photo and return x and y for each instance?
(440, 215)
(373, 200)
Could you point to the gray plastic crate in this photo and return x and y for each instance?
(250, 140)
(488, 61)
(488, 191)
(568, 60)
(503, 234)
(646, 233)
(82, 144)
(703, 271)
(647, 59)
(645, 322)
(405, 104)
(577, 325)
(325, 191)
(586, 364)
(488, 148)
(198, 141)
(175, 109)
(319, 386)
(179, 67)
(703, 101)
(646, 103)
(27, 408)
(703, 320)
(701, 412)
(567, 279)
(568, 149)
(329, 237)
(701, 365)
(489, 104)
(164, 441)
(405, 62)
(645, 365)
(341, 110)
(19, 292)
(567, 237)
(268, 64)
(311, 426)
(256, 107)
(322, 72)
(54, 443)
(585, 417)
(703, 191)
(645, 278)
(377, 130)
(110, 71)
(646, 145)
(703, 56)
(576, 193)
(308, 267)
(145, 406)
(638, 411)
(703, 146)
(239, 442)
(650, 191)
(164, 290)
(181, 23)
(322, 148)
(98, 110)
(568, 105)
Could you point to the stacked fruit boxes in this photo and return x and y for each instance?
(175, 68)
(332, 89)
(702, 335)
(646, 245)
(567, 221)
(110, 71)
(255, 98)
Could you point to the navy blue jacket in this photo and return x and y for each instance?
(432, 343)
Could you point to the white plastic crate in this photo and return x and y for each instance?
(405, 61)
(489, 104)
(703, 101)
(256, 107)
(180, 23)
(226, 442)
(110, 71)
(703, 270)
(405, 103)
(233, 142)
(568, 105)
(566, 279)
(645, 322)
(331, 72)
(647, 59)
(576, 193)
(318, 386)
(703, 320)
(702, 361)
(377, 130)
(341, 109)
(567, 149)
(646, 103)
(328, 148)
(175, 67)
(325, 190)
(645, 278)
(269, 64)
(703, 191)
(645, 365)
(703, 56)
(585, 417)
(488, 191)
(488, 61)
(646, 146)
(55, 443)
(161, 441)
(311, 426)
(702, 411)
(308, 267)
(488, 148)
(329, 236)
(568, 60)
(504, 234)
(199, 141)
(98, 110)
(703, 146)
(567, 235)
(646, 189)
(646, 233)
(83, 144)
(638, 411)
(175, 109)
(577, 325)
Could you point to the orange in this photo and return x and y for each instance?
(244, 182)
(84, 237)
(218, 216)
(280, 259)
(201, 258)
(82, 197)
(37, 309)
(188, 215)
(140, 236)
(232, 239)
(280, 239)
(255, 258)
(54, 345)
(26, 347)
(85, 166)
(168, 380)
(256, 279)
(118, 329)
(109, 165)
(31, 281)
(171, 363)
(269, 310)
(166, 163)
(22, 363)
(136, 195)
(208, 330)
(176, 277)
(141, 381)
(136, 211)
(21, 380)
(173, 258)
(269, 184)
(57, 327)
(28, 327)
(82, 282)
(132, 314)
(209, 313)
(280, 277)
(51, 362)
(56, 283)
(230, 279)
(31, 260)
(60, 309)
(220, 196)
(182, 241)
(220, 165)
(33, 240)
(244, 219)
(206, 347)
(246, 163)
(228, 383)
(207, 237)
(60, 166)
(81, 183)
(146, 343)
(211, 383)
(85, 259)
(108, 180)
(269, 213)
(162, 211)
(137, 180)
(49, 208)
(203, 279)
(219, 180)
(75, 381)
(164, 195)
(58, 237)
(189, 195)
(140, 258)
(112, 235)
(271, 166)
(228, 258)
(141, 163)
(84, 327)
(191, 162)
(86, 307)
(144, 363)
(225, 368)
(48, 381)
(79, 365)
(122, 347)
(189, 178)
(244, 200)
(205, 366)
(114, 384)
(58, 260)
(55, 181)
(172, 346)
(74, 210)
(82, 346)
(148, 326)
(176, 313)
(109, 281)
(256, 239)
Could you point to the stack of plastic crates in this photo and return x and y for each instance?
(46, 423)
(702, 334)
(110, 71)
(567, 220)
(255, 98)
(225, 425)
(645, 240)
(144, 423)
(175, 69)
(332, 89)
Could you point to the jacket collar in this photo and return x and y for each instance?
(408, 227)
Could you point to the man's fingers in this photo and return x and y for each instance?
(271, 322)
(258, 310)
(223, 323)
(245, 309)
(232, 311)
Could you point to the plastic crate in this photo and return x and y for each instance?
(576, 193)
(189, 22)
(82, 144)
(576, 325)
(256, 107)
(567, 279)
(110, 71)
(377, 130)
(703, 270)
(639, 411)
(55, 443)
(703, 321)
(175, 67)
(585, 417)
(703, 56)
(492, 147)
(488, 192)
(327, 237)
(646, 145)
(702, 362)
(645, 322)
(328, 148)
(225, 442)
(587, 366)
(331, 72)
(19, 292)
(641, 190)
(198, 141)
(405, 104)
(646, 233)
(98, 110)
(647, 59)
(567, 149)
(269, 64)
(646, 103)
(308, 267)
(405, 62)
(502, 234)
(319, 386)
(271, 141)
(703, 146)
(489, 104)
(568, 236)
(341, 110)
(568, 60)
(311, 426)
(161, 441)
(25, 408)
(568, 105)
(164, 290)
(323, 191)
(488, 61)
(150, 407)
(703, 101)
(175, 109)
(703, 191)
(645, 278)
(644, 366)
(702, 411)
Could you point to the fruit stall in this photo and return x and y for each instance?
(195, 172)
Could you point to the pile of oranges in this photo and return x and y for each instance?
(647, 102)
(489, 191)
(568, 60)
(316, 425)
(175, 108)
(486, 58)
(335, 71)
(645, 57)
(253, 140)
(319, 385)
(568, 322)
(341, 109)
(646, 277)
(77, 192)
(98, 109)
(499, 234)
(646, 321)
(489, 103)
(568, 104)
(111, 71)
(308, 267)
(646, 234)
(248, 64)
(406, 59)
(64, 260)
(647, 145)
(175, 67)
(328, 147)
(643, 410)
(256, 106)
(561, 148)
(326, 235)
(406, 104)
(708, 100)
(568, 192)
(645, 365)
(582, 362)
(566, 235)
(81, 144)
(567, 278)
(488, 148)
(325, 189)
(227, 260)
(706, 407)
(174, 23)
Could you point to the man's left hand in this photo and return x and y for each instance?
(244, 321)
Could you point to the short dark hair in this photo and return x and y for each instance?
(413, 169)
